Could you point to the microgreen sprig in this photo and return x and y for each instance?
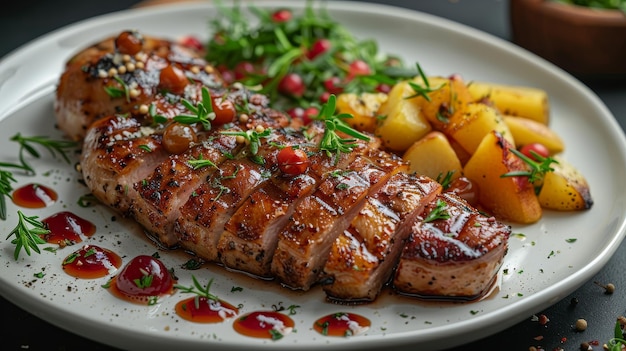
(439, 212)
(331, 142)
(6, 178)
(27, 237)
(27, 145)
(253, 139)
(199, 290)
(537, 168)
(616, 343)
(422, 90)
(203, 111)
(200, 162)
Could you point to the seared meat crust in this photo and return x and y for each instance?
(352, 221)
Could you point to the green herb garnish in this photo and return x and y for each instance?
(27, 237)
(439, 212)
(202, 111)
(537, 168)
(331, 142)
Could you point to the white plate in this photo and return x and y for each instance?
(542, 269)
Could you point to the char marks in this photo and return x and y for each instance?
(352, 221)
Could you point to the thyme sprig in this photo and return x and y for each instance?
(200, 162)
(199, 290)
(537, 168)
(202, 112)
(332, 142)
(27, 146)
(253, 138)
(439, 212)
(27, 232)
(422, 89)
(6, 178)
(618, 341)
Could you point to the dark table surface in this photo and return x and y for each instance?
(24, 20)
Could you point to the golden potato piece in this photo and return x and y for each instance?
(565, 188)
(526, 131)
(433, 156)
(478, 119)
(507, 198)
(513, 100)
(363, 108)
(401, 123)
(449, 97)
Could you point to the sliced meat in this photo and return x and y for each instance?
(117, 153)
(201, 221)
(104, 79)
(457, 254)
(362, 258)
(304, 244)
(251, 235)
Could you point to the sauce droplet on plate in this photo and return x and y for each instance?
(201, 309)
(142, 281)
(91, 262)
(66, 227)
(34, 195)
(342, 324)
(264, 324)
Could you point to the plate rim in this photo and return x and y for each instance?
(563, 288)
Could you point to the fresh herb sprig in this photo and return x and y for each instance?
(617, 342)
(537, 170)
(422, 89)
(202, 112)
(253, 139)
(200, 162)
(439, 212)
(56, 148)
(332, 142)
(599, 4)
(27, 232)
(6, 178)
(199, 290)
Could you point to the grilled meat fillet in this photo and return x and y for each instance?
(457, 254)
(156, 148)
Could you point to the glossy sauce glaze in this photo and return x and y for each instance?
(90, 262)
(142, 281)
(201, 309)
(342, 324)
(264, 325)
(34, 195)
(67, 228)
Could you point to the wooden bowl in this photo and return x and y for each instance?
(588, 43)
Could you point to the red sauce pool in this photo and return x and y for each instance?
(342, 324)
(91, 262)
(265, 325)
(66, 227)
(199, 309)
(34, 196)
(142, 281)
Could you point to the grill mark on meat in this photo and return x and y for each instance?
(305, 242)
(362, 258)
(298, 229)
(456, 257)
(202, 219)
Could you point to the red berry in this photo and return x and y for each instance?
(319, 47)
(333, 85)
(537, 148)
(281, 16)
(243, 69)
(310, 114)
(292, 161)
(358, 68)
(291, 84)
(192, 42)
